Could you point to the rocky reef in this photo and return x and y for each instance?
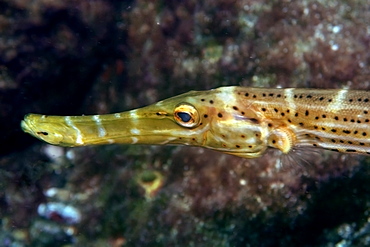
(88, 57)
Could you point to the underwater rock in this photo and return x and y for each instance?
(107, 56)
(59, 212)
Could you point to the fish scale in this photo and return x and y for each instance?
(332, 119)
(237, 120)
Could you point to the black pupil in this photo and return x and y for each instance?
(185, 117)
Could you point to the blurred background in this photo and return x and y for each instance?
(65, 57)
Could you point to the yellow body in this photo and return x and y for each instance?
(236, 120)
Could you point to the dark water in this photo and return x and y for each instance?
(96, 57)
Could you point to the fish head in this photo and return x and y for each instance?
(215, 119)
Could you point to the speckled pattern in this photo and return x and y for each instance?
(98, 57)
(235, 120)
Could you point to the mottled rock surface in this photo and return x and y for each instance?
(87, 57)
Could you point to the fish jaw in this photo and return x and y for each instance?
(140, 126)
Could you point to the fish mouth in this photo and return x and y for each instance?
(132, 127)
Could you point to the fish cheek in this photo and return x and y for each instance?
(245, 138)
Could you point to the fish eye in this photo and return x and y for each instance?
(186, 115)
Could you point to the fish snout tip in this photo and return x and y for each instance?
(25, 125)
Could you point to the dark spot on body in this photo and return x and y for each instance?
(263, 109)
(347, 131)
(355, 132)
(323, 116)
(219, 115)
(235, 108)
(341, 141)
(323, 128)
(336, 118)
(246, 94)
(276, 110)
(205, 115)
(352, 120)
(254, 96)
(316, 117)
(359, 99)
(345, 119)
(350, 100)
(332, 140)
(264, 95)
(271, 94)
(283, 114)
(364, 134)
(237, 146)
(270, 125)
(349, 142)
(253, 120)
(306, 113)
(365, 112)
(362, 144)
(279, 95)
(273, 141)
(202, 99)
(366, 100)
(351, 150)
(321, 98)
(330, 100)
(315, 127)
(211, 102)
(315, 145)
(301, 124)
(42, 133)
(162, 113)
(242, 136)
(309, 96)
(296, 114)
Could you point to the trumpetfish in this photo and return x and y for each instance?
(241, 121)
